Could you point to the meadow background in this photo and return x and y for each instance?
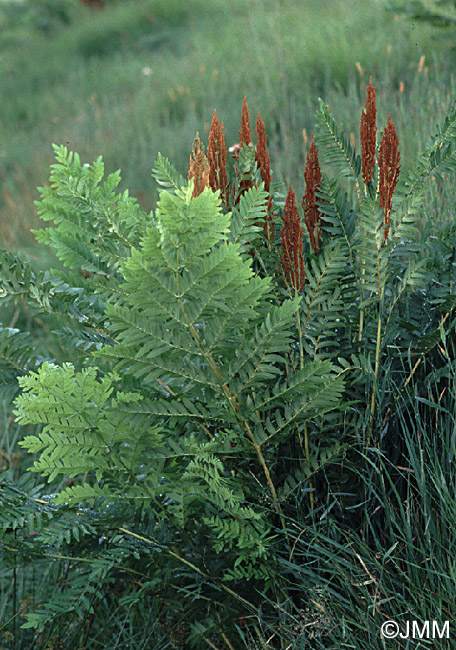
(141, 77)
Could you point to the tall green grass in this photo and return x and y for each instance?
(400, 564)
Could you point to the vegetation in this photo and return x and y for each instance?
(143, 77)
(238, 406)
(441, 13)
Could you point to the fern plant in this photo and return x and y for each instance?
(222, 362)
(393, 267)
(176, 405)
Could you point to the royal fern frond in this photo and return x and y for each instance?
(335, 147)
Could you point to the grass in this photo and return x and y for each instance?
(400, 565)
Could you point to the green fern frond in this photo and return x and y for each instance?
(250, 210)
(91, 218)
(18, 355)
(319, 393)
(166, 175)
(338, 216)
(257, 358)
(81, 431)
(335, 147)
(439, 157)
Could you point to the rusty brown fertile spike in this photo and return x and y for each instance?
(368, 133)
(312, 216)
(244, 140)
(199, 167)
(264, 163)
(262, 155)
(216, 153)
(389, 158)
(292, 245)
(244, 133)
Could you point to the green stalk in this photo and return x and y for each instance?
(176, 554)
(363, 272)
(301, 349)
(306, 435)
(235, 408)
(306, 447)
(377, 356)
(361, 311)
(377, 367)
(272, 489)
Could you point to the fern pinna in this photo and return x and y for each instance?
(227, 353)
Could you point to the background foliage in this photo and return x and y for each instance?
(375, 540)
(143, 76)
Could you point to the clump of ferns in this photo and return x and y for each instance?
(383, 274)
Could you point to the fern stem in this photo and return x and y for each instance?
(206, 430)
(377, 366)
(377, 350)
(14, 616)
(301, 349)
(268, 476)
(235, 407)
(179, 557)
(306, 448)
(361, 313)
(231, 400)
(306, 434)
(15, 589)
(227, 641)
(268, 272)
